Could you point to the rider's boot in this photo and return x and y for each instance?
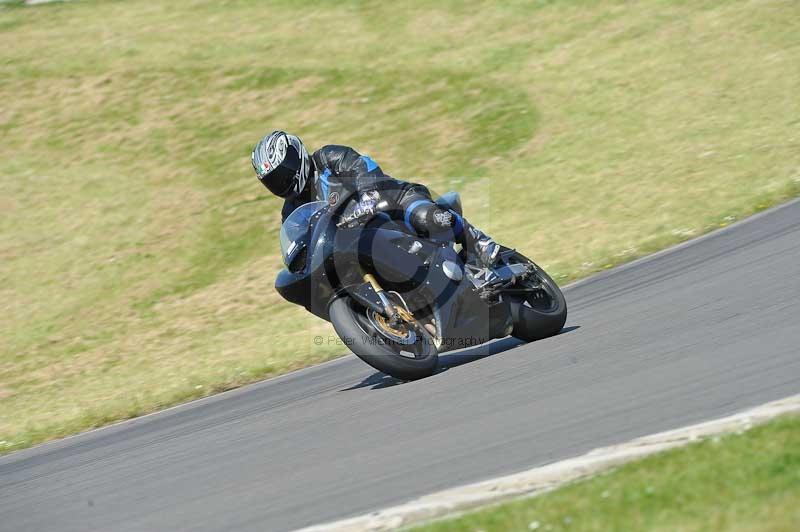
(486, 249)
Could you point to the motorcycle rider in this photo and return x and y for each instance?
(284, 166)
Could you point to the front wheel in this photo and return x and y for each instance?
(403, 351)
(541, 310)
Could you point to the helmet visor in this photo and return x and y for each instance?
(282, 179)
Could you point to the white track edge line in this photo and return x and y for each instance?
(545, 478)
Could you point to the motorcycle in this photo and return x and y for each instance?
(397, 300)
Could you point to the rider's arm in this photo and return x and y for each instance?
(355, 171)
(406, 201)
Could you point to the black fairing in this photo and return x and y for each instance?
(462, 317)
(311, 286)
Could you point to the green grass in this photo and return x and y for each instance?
(137, 250)
(744, 482)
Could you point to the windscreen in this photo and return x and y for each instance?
(295, 228)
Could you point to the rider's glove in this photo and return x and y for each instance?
(367, 205)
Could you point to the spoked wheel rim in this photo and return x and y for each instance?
(400, 333)
(542, 297)
(403, 339)
(403, 361)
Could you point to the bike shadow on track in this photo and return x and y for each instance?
(448, 361)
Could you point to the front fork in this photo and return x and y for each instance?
(389, 309)
(396, 313)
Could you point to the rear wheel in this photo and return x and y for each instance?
(538, 306)
(402, 350)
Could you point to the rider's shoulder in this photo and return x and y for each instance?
(332, 150)
(338, 158)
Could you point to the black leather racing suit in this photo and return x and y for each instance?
(341, 172)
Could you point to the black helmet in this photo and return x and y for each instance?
(282, 164)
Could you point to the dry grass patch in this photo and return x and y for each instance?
(137, 250)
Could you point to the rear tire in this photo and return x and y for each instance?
(539, 317)
(351, 323)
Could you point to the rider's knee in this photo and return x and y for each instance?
(426, 217)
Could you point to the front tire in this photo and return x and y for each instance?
(379, 349)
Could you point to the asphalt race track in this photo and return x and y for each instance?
(698, 332)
